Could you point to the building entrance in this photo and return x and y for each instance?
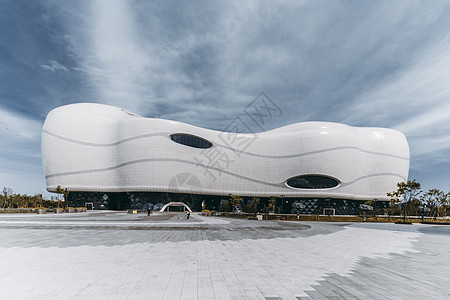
(181, 205)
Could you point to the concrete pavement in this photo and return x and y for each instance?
(114, 255)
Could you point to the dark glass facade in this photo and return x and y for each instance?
(190, 140)
(156, 200)
(312, 182)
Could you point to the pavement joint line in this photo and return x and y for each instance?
(231, 258)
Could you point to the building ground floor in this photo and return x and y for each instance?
(156, 200)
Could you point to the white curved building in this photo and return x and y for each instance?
(98, 148)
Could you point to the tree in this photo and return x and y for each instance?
(235, 201)
(445, 206)
(437, 201)
(392, 210)
(443, 201)
(7, 192)
(430, 200)
(225, 206)
(405, 193)
(64, 192)
(272, 202)
(254, 205)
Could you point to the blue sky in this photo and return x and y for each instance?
(362, 63)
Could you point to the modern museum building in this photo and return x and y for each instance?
(116, 159)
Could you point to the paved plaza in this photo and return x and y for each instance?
(114, 255)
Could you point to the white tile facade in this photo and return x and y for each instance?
(94, 147)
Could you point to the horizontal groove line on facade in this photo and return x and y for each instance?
(281, 184)
(111, 189)
(164, 134)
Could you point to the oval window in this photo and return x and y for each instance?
(312, 182)
(190, 140)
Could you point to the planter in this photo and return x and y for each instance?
(70, 210)
(260, 217)
(435, 223)
(57, 210)
(404, 223)
(41, 210)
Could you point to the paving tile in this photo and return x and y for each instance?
(112, 255)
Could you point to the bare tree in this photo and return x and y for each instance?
(437, 201)
(7, 192)
(430, 200)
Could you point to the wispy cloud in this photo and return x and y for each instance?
(383, 63)
(18, 127)
(20, 156)
(54, 66)
(415, 101)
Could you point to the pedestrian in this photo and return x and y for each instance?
(149, 211)
(188, 215)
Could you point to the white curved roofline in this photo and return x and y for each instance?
(90, 146)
